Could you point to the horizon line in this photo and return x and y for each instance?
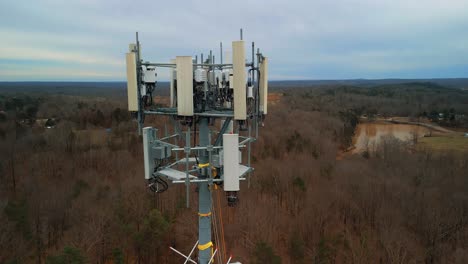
(279, 80)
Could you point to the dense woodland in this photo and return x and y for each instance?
(75, 193)
(414, 99)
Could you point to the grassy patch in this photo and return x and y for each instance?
(443, 143)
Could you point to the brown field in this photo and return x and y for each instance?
(274, 98)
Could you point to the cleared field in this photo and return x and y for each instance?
(274, 98)
(455, 142)
(369, 135)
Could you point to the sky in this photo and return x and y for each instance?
(312, 39)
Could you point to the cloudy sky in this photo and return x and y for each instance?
(311, 39)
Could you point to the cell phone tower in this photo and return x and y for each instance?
(201, 92)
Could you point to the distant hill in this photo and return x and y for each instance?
(118, 89)
(460, 83)
(68, 88)
(108, 89)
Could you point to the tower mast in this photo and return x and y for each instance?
(200, 94)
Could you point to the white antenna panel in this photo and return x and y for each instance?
(184, 85)
(238, 65)
(231, 162)
(200, 75)
(264, 85)
(148, 136)
(132, 93)
(149, 74)
(172, 76)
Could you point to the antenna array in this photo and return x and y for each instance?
(201, 93)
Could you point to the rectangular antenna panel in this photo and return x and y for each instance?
(239, 80)
(221, 157)
(184, 85)
(231, 162)
(172, 76)
(148, 138)
(264, 85)
(132, 93)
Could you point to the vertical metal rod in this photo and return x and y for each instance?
(187, 152)
(176, 138)
(210, 159)
(258, 93)
(255, 84)
(241, 34)
(138, 72)
(221, 52)
(248, 154)
(256, 96)
(257, 105)
(204, 196)
(211, 71)
(253, 51)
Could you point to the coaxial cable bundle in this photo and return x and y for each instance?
(157, 184)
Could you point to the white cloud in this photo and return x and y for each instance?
(28, 53)
(370, 37)
(54, 73)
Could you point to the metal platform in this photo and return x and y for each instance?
(173, 111)
(190, 160)
(174, 175)
(180, 176)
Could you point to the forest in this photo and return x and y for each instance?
(72, 187)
